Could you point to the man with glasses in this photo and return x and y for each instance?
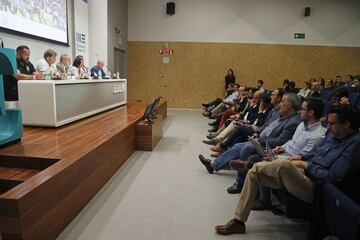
(336, 158)
(307, 136)
(276, 133)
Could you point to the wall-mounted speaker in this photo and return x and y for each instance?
(170, 8)
(307, 12)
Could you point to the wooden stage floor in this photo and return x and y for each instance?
(47, 178)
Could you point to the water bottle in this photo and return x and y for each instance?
(117, 75)
(99, 74)
(48, 75)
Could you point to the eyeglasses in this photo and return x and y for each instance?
(305, 109)
(333, 123)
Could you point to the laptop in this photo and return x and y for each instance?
(258, 148)
(155, 106)
(147, 113)
(261, 151)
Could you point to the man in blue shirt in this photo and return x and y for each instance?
(276, 133)
(98, 71)
(336, 158)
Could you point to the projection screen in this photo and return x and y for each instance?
(44, 19)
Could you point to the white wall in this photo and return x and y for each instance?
(38, 47)
(81, 26)
(117, 18)
(98, 30)
(332, 22)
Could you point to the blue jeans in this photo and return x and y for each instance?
(226, 157)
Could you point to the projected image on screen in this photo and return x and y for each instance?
(41, 18)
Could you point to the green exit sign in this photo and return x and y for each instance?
(299, 35)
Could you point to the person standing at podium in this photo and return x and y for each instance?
(25, 71)
(47, 65)
(98, 70)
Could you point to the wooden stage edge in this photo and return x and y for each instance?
(47, 178)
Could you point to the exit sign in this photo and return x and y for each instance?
(299, 35)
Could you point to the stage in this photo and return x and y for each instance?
(49, 176)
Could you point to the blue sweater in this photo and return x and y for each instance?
(333, 159)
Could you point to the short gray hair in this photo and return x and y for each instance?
(63, 56)
(294, 99)
(49, 53)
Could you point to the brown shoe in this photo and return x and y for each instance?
(231, 227)
(212, 141)
(237, 164)
(215, 155)
(217, 148)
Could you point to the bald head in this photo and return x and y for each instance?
(100, 64)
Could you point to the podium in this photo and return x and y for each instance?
(11, 129)
(148, 134)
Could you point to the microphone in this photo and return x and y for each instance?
(1, 43)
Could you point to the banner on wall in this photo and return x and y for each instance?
(81, 29)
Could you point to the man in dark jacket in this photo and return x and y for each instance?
(335, 159)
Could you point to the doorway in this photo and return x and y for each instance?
(120, 62)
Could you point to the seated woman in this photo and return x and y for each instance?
(78, 69)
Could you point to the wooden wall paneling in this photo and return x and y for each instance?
(196, 70)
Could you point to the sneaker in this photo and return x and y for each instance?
(234, 189)
(206, 163)
(231, 227)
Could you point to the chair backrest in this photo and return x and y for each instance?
(341, 212)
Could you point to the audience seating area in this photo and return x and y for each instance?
(335, 210)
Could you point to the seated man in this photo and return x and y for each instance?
(307, 136)
(259, 86)
(25, 71)
(98, 70)
(229, 90)
(265, 116)
(277, 133)
(238, 111)
(64, 65)
(47, 64)
(332, 162)
(228, 100)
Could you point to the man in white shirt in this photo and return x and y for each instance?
(47, 64)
